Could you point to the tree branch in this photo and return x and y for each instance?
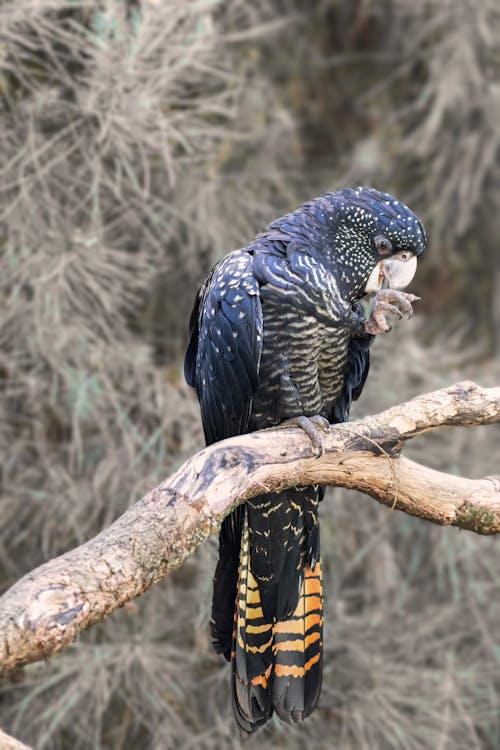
(45, 610)
(10, 743)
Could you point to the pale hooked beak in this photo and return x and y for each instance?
(398, 273)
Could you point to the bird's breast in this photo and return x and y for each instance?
(303, 361)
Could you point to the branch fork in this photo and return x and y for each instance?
(46, 610)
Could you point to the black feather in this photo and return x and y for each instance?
(358, 366)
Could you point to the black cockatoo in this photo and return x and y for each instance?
(277, 332)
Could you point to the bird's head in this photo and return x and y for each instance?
(377, 240)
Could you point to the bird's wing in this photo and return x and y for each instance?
(222, 363)
(223, 356)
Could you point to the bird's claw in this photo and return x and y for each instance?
(388, 302)
(312, 426)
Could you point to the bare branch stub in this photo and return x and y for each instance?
(45, 610)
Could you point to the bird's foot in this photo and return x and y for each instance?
(388, 302)
(312, 426)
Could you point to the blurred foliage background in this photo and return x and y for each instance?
(141, 141)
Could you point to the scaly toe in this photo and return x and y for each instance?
(396, 299)
(311, 426)
(388, 308)
(321, 422)
(377, 324)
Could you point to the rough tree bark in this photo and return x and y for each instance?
(45, 610)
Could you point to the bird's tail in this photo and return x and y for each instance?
(276, 659)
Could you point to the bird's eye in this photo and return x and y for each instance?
(404, 255)
(383, 245)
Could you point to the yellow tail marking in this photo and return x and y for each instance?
(254, 649)
(262, 679)
(251, 580)
(297, 644)
(316, 573)
(253, 612)
(259, 628)
(311, 638)
(313, 602)
(312, 620)
(289, 626)
(303, 619)
(253, 597)
(281, 670)
(313, 585)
